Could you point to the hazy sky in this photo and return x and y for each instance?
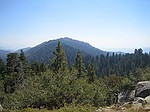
(105, 24)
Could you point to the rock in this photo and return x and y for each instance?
(131, 95)
(126, 96)
(139, 100)
(99, 110)
(107, 110)
(115, 106)
(123, 108)
(1, 108)
(142, 89)
(147, 99)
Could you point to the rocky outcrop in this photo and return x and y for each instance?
(132, 99)
(126, 96)
(142, 89)
(139, 100)
(139, 94)
(147, 99)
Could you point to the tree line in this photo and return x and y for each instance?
(120, 64)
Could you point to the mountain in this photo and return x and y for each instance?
(24, 49)
(3, 54)
(44, 51)
(82, 46)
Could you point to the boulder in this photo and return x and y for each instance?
(126, 96)
(1, 108)
(131, 95)
(139, 100)
(142, 89)
(147, 99)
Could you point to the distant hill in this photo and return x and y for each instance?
(44, 51)
(24, 49)
(3, 54)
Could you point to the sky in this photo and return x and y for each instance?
(105, 24)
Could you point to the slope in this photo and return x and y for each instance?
(44, 51)
(82, 46)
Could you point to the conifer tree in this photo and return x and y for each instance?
(79, 65)
(91, 73)
(23, 58)
(12, 63)
(43, 67)
(2, 68)
(35, 67)
(59, 62)
(13, 72)
(23, 66)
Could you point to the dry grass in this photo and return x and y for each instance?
(126, 108)
(113, 108)
(87, 108)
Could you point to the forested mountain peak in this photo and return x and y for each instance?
(44, 51)
(80, 45)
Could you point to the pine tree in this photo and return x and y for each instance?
(35, 67)
(12, 63)
(91, 73)
(79, 65)
(13, 72)
(23, 58)
(59, 62)
(2, 68)
(2, 71)
(23, 66)
(43, 67)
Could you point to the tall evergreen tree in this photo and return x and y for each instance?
(12, 62)
(59, 62)
(91, 73)
(23, 58)
(13, 72)
(79, 65)
(35, 67)
(2, 67)
(43, 67)
(23, 66)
